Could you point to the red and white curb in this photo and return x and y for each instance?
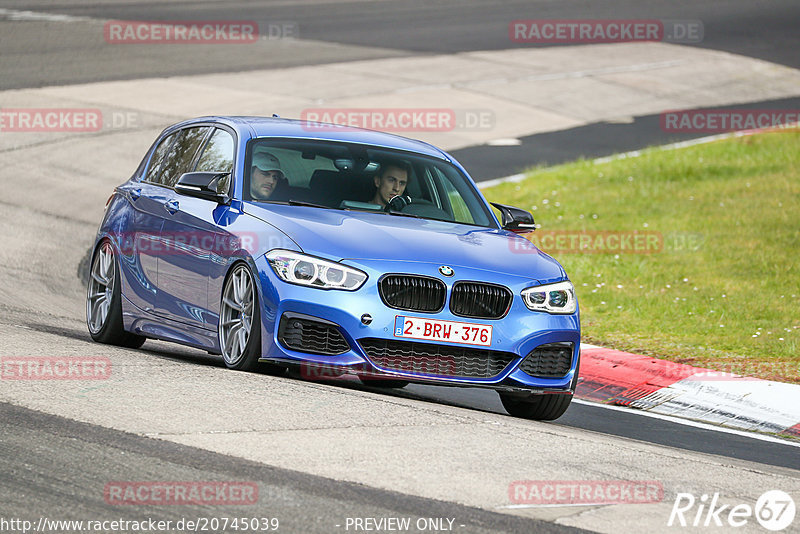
(667, 388)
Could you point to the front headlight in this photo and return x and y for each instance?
(305, 270)
(551, 298)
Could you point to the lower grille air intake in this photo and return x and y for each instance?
(552, 360)
(309, 334)
(429, 358)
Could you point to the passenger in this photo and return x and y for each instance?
(390, 182)
(265, 175)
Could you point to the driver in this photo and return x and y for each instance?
(265, 175)
(390, 182)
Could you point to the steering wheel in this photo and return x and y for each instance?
(420, 207)
(397, 203)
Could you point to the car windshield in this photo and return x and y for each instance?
(359, 177)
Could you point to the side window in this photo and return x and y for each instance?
(461, 212)
(158, 156)
(181, 154)
(218, 157)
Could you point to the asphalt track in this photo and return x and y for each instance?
(40, 53)
(380, 28)
(46, 457)
(64, 486)
(595, 140)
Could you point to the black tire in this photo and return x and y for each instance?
(538, 407)
(108, 329)
(542, 407)
(381, 383)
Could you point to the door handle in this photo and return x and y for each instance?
(172, 206)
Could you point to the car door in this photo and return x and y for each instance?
(191, 234)
(141, 244)
(218, 156)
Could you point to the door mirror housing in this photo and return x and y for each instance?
(515, 220)
(202, 185)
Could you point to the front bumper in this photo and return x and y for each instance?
(339, 313)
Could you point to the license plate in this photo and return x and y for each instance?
(437, 330)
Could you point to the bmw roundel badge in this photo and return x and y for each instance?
(446, 271)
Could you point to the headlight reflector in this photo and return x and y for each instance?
(551, 298)
(305, 270)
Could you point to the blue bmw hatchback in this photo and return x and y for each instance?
(283, 244)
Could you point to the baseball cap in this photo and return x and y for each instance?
(265, 161)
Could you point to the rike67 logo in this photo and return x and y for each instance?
(774, 510)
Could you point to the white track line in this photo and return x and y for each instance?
(34, 16)
(695, 424)
(563, 505)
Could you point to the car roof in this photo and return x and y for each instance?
(254, 127)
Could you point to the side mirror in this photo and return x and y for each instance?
(515, 220)
(202, 185)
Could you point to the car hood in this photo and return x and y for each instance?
(342, 235)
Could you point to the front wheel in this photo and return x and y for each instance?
(538, 407)
(240, 324)
(239, 320)
(103, 301)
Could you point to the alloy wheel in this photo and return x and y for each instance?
(101, 289)
(236, 315)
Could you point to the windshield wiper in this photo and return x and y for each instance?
(292, 202)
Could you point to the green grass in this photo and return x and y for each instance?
(724, 291)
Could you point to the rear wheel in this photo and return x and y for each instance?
(103, 301)
(539, 407)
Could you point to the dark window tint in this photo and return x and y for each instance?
(218, 157)
(153, 174)
(181, 154)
